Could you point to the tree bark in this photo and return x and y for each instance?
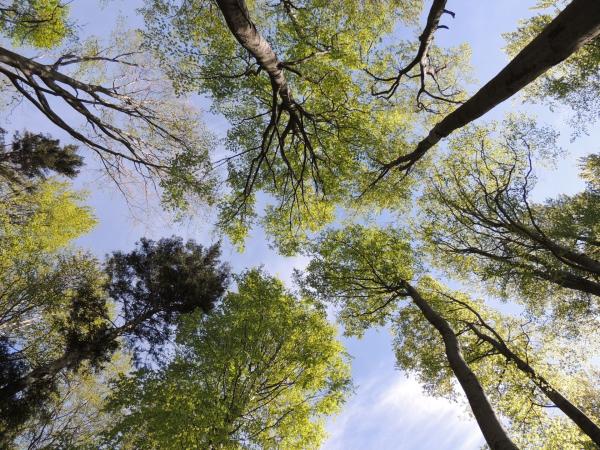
(239, 23)
(495, 436)
(569, 409)
(576, 25)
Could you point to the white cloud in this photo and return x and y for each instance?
(390, 411)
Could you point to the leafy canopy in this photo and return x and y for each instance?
(262, 370)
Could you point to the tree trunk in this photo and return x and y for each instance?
(238, 20)
(576, 25)
(570, 410)
(41, 374)
(487, 420)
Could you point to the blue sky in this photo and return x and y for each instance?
(388, 410)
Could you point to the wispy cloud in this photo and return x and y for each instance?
(390, 411)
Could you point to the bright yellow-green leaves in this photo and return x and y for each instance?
(324, 47)
(261, 371)
(481, 179)
(358, 269)
(35, 227)
(41, 221)
(39, 23)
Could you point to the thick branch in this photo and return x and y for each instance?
(571, 411)
(238, 20)
(575, 26)
(41, 83)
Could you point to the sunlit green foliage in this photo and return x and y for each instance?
(479, 221)
(74, 415)
(354, 267)
(261, 371)
(327, 160)
(363, 271)
(39, 281)
(39, 23)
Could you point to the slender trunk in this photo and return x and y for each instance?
(487, 420)
(576, 25)
(70, 359)
(569, 409)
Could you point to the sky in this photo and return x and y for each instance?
(389, 409)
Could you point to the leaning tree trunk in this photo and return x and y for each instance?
(70, 359)
(569, 409)
(495, 436)
(575, 26)
(239, 23)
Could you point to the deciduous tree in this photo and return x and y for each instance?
(263, 370)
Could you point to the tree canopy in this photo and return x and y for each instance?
(353, 138)
(285, 371)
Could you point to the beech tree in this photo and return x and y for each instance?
(478, 219)
(332, 119)
(368, 272)
(37, 281)
(120, 105)
(572, 83)
(314, 124)
(262, 370)
(42, 24)
(290, 78)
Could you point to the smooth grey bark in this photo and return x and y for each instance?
(569, 409)
(576, 25)
(493, 432)
(239, 23)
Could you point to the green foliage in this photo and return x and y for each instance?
(40, 222)
(565, 363)
(39, 23)
(39, 281)
(262, 370)
(357, 268)
(364, 272)
(322, 153)
(479, 223)
(31, 156)
(74, 415)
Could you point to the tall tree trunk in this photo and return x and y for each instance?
(495, 436)
(238, 20)
(569, 409)
(576, 25)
